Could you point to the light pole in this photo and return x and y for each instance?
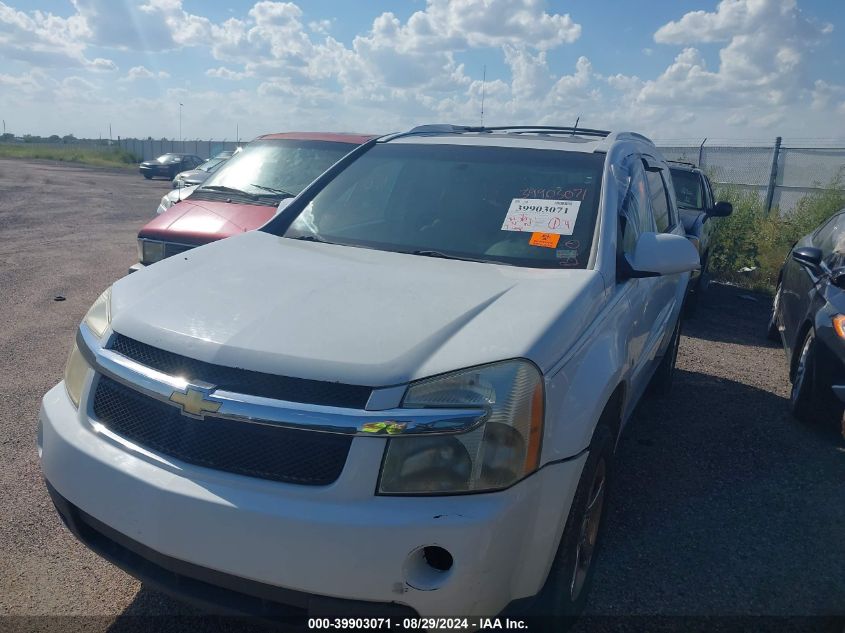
(180, 122)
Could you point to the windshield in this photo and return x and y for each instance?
(277, 167)
(527, 207)
(167, 158)
(688, 190)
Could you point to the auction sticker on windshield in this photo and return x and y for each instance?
(542, 216)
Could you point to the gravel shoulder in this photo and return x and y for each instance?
(722, 505)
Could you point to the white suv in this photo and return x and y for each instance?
(401, 396)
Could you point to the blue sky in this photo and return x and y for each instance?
(749, 69)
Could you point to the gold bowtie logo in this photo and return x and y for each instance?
(194, 402)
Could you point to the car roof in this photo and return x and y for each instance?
(333, 137)
(542, 137)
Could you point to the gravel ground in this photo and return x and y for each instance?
(722, 505)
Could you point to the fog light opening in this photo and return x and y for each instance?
(428, 568)
(437, 558)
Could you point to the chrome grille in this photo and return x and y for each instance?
(244, 380)
(255, 450)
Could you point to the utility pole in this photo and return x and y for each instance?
(180, 122)
(773, 174)
(483, 84)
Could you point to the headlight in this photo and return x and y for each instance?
(75, 371)
(839, 325)
(98, 316)
(150, 252)
(501, 451)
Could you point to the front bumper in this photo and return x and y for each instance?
(208, 589)
(339, 541)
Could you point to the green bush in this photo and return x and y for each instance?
(100, 157)
(750, 239)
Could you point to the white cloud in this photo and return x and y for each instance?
(44, 39)
(766, 45)
(224, 73)
(142, 72)
(401, 71)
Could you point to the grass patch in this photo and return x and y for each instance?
(99, 158)
(750, 239)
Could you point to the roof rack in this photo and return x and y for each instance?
(683, 162)
(439, 128)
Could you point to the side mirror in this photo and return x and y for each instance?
(658, 254)
(808, 256)
(721, 210)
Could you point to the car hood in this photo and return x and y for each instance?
(197, 174)
(200, 221)
(352, 315)
(152, 163)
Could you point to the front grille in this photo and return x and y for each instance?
(255, 450)
(244, 380)
(171, 249)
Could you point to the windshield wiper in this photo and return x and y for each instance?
(225, 189)
(442, 255)
(311, 238)
(272, 190)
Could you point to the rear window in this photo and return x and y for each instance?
(285, 167)
(526, 207)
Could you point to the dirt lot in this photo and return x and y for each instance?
(722, 505)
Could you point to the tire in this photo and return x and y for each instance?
(564, 594)
(811, 399)
(664, 376)
(773, 333)
(802, 396)
(147, 176)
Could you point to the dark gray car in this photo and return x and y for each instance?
(697, 206)
(808, 317)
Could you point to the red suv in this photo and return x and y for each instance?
(245, 193)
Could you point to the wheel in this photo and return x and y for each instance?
(664, 376)
(802, 401)
(565, 591)
(811, 399)
(148, 176)
(773, 333)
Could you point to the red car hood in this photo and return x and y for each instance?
(202, 221)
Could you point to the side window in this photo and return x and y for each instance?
(831, 239)
(635, 216)
(659, 201)
(824, 237)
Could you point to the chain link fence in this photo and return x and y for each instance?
(147, 149)
(781, 175)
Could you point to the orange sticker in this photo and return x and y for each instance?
(546, 240)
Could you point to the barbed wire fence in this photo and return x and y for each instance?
(781, 173)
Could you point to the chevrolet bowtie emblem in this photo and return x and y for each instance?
(194, 402)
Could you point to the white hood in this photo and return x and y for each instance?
(351, 315)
